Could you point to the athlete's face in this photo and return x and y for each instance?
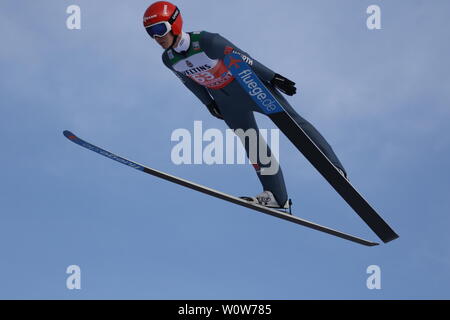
(165, 41)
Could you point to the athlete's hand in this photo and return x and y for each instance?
(284, 84)
(214, 109)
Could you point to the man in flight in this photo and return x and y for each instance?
(197, 59)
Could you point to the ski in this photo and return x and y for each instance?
(215, 193)
(271, 107)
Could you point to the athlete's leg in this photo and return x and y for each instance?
(310, 130)
(242, 119)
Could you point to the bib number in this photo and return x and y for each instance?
(203, 76)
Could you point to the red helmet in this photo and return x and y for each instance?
(166, 13)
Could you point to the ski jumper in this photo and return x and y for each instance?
(199, 65)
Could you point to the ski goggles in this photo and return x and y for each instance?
(159, 29)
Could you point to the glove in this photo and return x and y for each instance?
(285, 85)
(214, 109)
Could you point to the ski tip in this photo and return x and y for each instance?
(69, 135)
(390, 238)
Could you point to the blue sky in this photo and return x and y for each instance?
(380, 97)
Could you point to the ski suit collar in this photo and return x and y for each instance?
(184, 43)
